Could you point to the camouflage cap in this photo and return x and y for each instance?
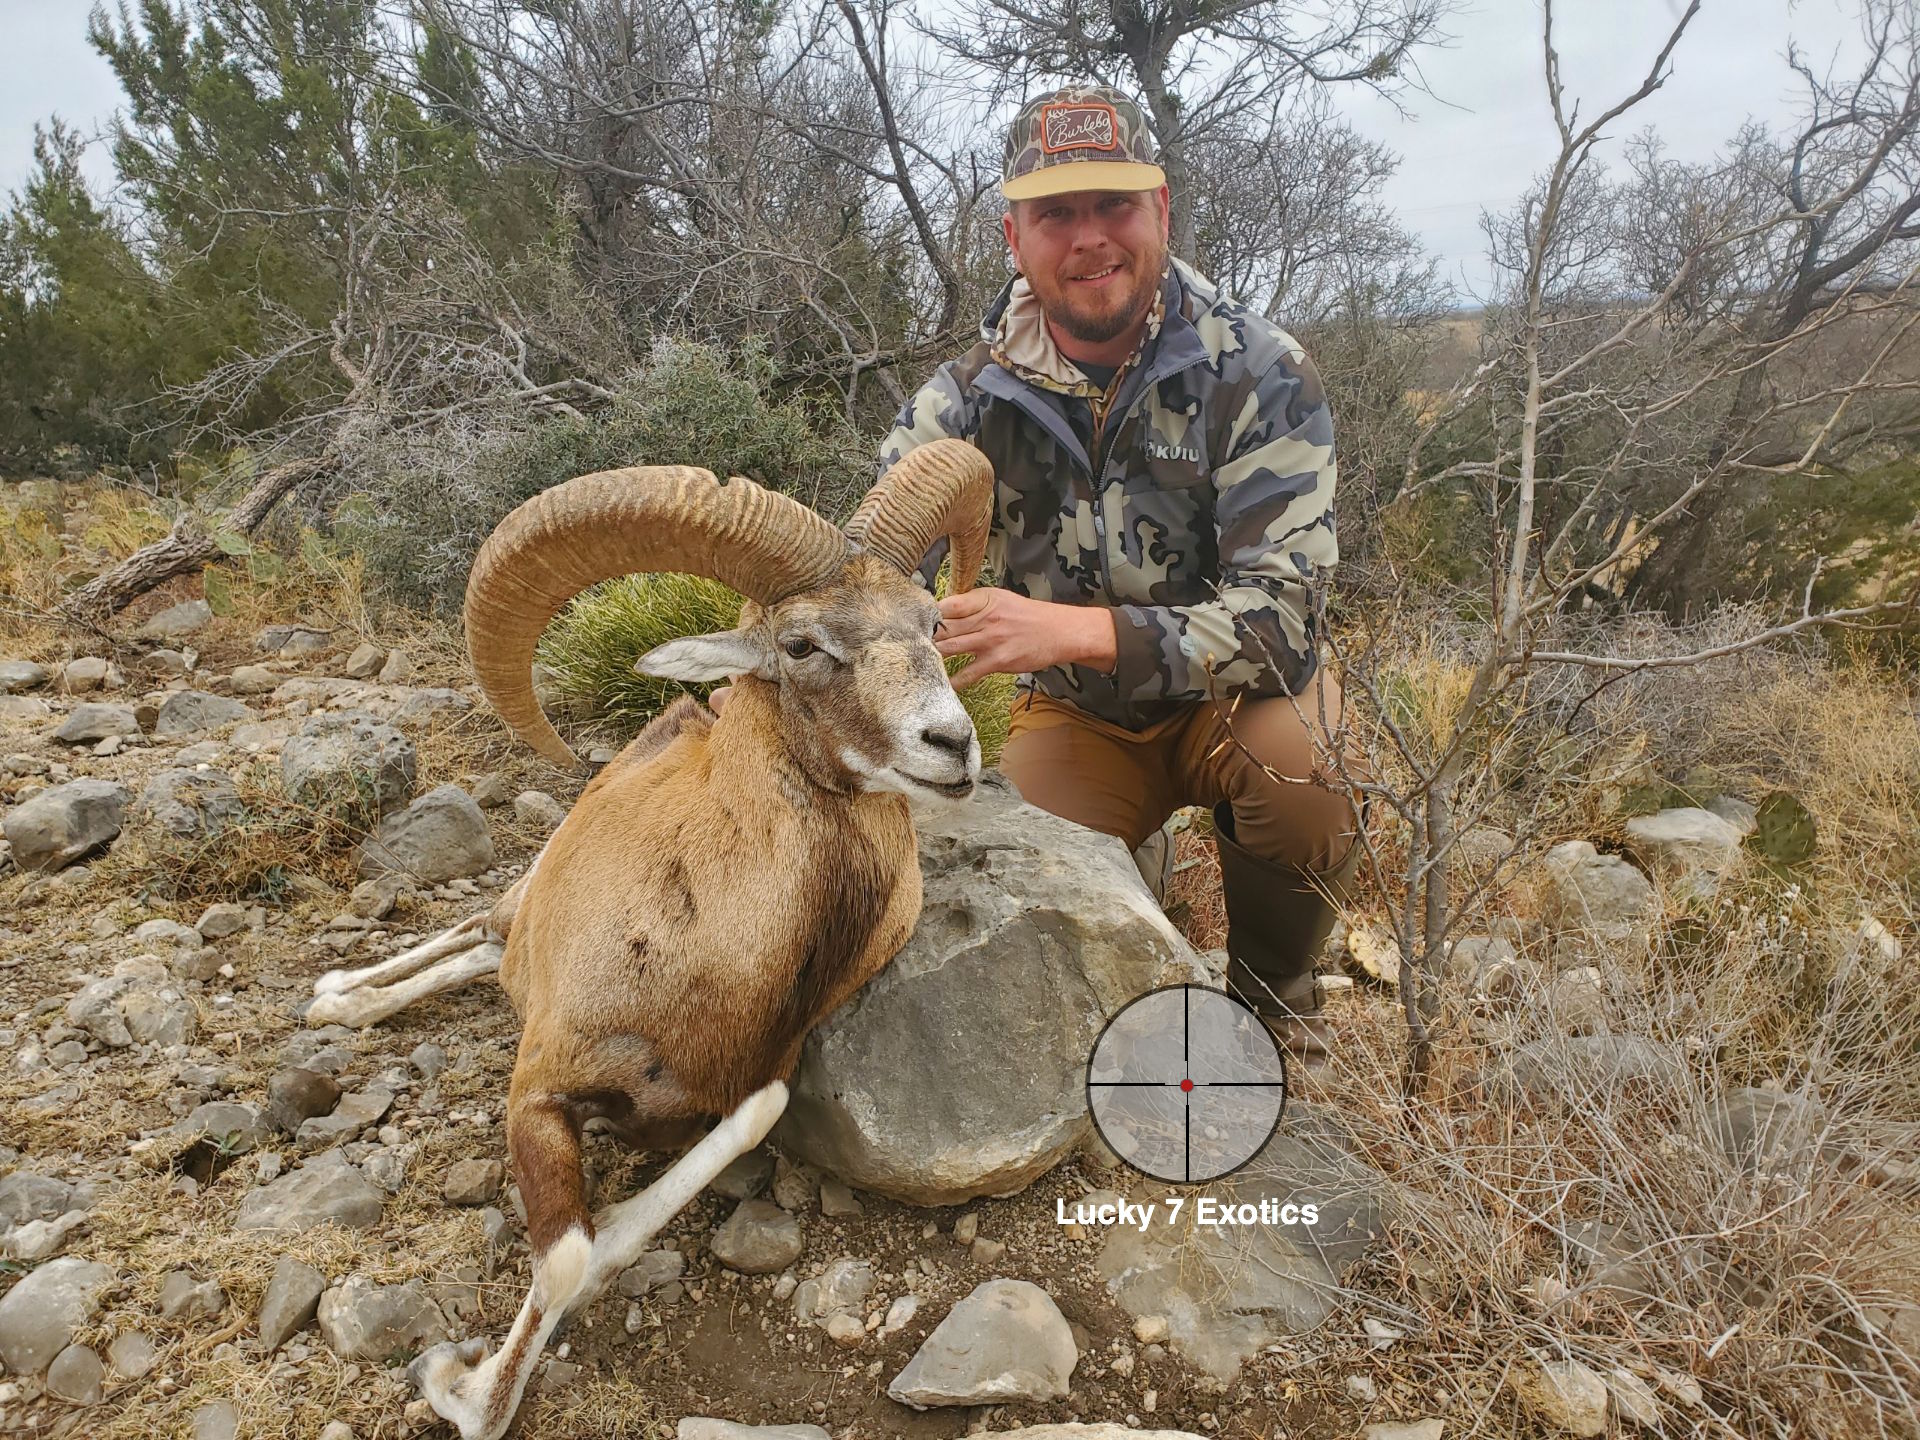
(1085, 137)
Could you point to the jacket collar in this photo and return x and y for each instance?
(1015, 331)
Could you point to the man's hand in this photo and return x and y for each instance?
(1009, 634)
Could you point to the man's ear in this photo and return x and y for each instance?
(719, 656)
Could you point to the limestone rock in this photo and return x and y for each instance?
(364, 1321)
(87, 674)
(40, 1313)
(254, 680)
(745, 1176)
(18, 675)
(51, 830)
(1688, 847)
(843, 1285)
(701, 1427)
(184, 1298)
(324, 1189)
(1227, 1292)
(1033, 932)
(26, 1196)
(90, 722)
(365, 661)
(650, 1272)
(176, 622)
(77, 1375)
(759, 1238)
(1602, 894)
(293, 641)
(180, 810)
(1563, 1394)
(351, 756)
(236, 1128)
(355, 1111)
(132, 1354)
(297, 1094)
(216, 1420)
(1007, 1340)
(441, 836)
(195, 712)
(293, 1296)
(473, 1182)
(538, 810)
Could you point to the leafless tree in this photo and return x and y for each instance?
(1203, 72)
(1623, 386)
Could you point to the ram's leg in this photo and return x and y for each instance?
(463, 936)
(626, 1229)
(480, 1393)
(363, 1007)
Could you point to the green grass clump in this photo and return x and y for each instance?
(590, 649)
(591, 646)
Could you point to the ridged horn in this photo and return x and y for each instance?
(944, 487)
(626, 522)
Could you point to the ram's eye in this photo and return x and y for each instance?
(799, 649)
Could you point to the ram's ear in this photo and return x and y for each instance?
(719, 656)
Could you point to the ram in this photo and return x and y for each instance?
(725, 882)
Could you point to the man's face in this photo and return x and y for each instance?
(1093, 257)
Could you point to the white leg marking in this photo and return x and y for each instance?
(624, 1230)
(479, 1395)
(360, 1008)
(398, 967)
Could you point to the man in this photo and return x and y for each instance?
(1165, 477)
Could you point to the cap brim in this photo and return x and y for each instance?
(1083, 175)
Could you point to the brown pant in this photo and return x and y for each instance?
(1124, 782)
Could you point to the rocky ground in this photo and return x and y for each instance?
(221, 1222)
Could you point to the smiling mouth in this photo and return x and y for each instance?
(1098, 275)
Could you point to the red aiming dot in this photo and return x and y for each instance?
(1186, 1084)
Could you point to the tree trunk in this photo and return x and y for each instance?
(190, 546)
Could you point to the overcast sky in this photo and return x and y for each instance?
(1474, 143)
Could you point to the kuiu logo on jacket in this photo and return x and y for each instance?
(1158, 451)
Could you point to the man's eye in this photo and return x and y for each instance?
(799, 649)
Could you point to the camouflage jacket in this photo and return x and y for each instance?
(1206, 520)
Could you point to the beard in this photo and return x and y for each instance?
(1094, 320)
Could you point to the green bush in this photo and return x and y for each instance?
(427, 502)
(590, 648)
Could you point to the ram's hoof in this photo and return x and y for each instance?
(445, 1378)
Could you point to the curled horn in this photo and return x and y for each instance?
(624, 522)
(944, 487)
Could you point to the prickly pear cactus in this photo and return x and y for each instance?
(1783, 830)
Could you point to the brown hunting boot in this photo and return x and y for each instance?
(1278, 918)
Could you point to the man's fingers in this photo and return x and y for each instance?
(961, 613)
(966, 675)
(950, 645)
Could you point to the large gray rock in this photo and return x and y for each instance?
(26, 1196)
(705, 1427)
(1005, 1341)
(293, 1295)
(1228, 1291)
(92, 722)
(394, 704)
(351, 759)
(176, 622)
(1689, 848)
(1034, 931)
(58, 826)
(324, 1189)
(293, 641)
(23, 710)
(195, 712)
(1602, 895)
(441, 836)
(364, 1321)
(76, 1375)
(18, 675)
(235, 1127)
(181, 810)
(39, 1315)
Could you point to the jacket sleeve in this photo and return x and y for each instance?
(1274, 518)
(940, 408)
